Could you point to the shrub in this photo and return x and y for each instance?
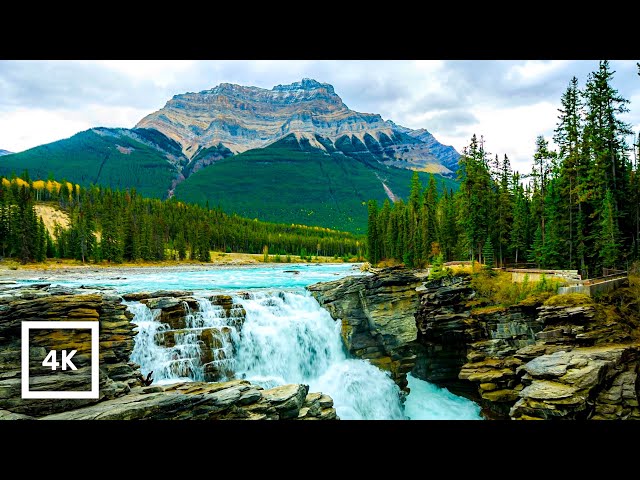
(437, 271)
(570, 299)
(497, 288)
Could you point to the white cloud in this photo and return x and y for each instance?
(534, 70)
(26, 128)
(512, 101)
(161, 72)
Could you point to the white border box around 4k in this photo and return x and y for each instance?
(95, 359)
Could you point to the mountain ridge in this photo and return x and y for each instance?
(294, 154)
(239, 118)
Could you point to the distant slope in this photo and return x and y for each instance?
(4, 152)
(294, 183)
(119, 158)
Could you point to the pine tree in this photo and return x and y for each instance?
(181, 246)
(430, 221)
(372, 232)
(449, 229)
(536, 253)
(519, 234)
(605, 148)
(608, 241)
(542, 164)
(567, 136)
(488, 254)
(382, 224)
(475, 196)
(504, 209)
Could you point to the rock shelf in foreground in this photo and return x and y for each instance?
(123, 395)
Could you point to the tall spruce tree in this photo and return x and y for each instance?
(572, 175)
(608, 236)
(605, 149)
(372, 232)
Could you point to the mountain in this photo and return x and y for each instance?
(4, 152)
(294, 154)
(292, 181)
(232, 119)
(115, 157)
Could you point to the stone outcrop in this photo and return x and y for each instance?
(594, 382)
(443, 322)
(138, 296)
(228, 119)
(377, 316)
(173, 310)
(234, 400)
(529, 360)
(117, 374)
(122, 394)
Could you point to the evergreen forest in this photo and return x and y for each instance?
(116, 226)
(578, 208)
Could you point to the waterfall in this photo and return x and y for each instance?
(284, 337)
(430, 402)
(289, 338)
(176, 355)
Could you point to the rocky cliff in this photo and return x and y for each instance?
(377, 315)
(123, 390)
(230, 119)
(530, 360)
(533, 360)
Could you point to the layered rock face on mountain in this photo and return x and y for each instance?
(231, 119)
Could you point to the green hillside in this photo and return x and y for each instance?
(112, 158)
(289, 183)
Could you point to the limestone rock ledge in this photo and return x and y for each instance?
(530, 361)
(122, 394)
(594, 382)
(234, 400)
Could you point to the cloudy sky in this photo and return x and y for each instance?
(509, 102)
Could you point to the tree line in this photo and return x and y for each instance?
(115, 226)
(578, 208)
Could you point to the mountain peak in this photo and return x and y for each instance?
(306, 84)
(235, 118)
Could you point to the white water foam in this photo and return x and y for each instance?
(289, 338)
(430, 402)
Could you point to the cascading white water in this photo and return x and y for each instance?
(288, 337)
(182, 361)
(430, 402)
(209, 316)
(146, 352)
